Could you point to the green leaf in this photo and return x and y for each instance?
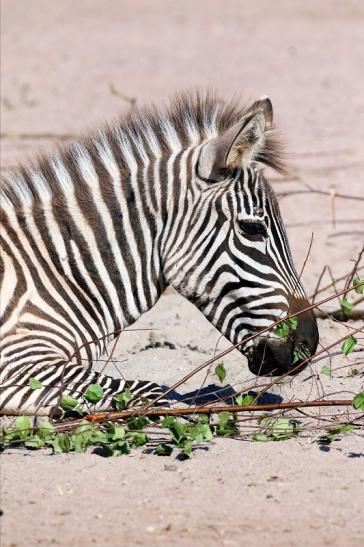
(300, 353)
(259, 437)
(66, 402)
(227, 425)
(137, 438)
(220, 372)
(282, 330)
(168, 421)
(121, 401)
(94, 393)
(292, 322)
(45, 429)
(98, 436)
(9, 435)
(121, 447)
(62, 443)
(200, 432)
(137, 423)
(279, 428)
(163, 449)
(23, 426)
(358, 401)
(333, 433)
(34, 383)
(187, 447)
(115, 432)
(359, 285)
(326, 370)
(178, 431)
(244, 400)
(348, 345)
(346, 306)
(34, 443)
(85, 427)
(79, 443)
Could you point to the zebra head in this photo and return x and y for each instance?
(234, 262)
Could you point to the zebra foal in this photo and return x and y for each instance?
(92, 235)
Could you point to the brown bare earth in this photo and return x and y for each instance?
(68, 66)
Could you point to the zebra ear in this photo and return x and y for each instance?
(239, 145)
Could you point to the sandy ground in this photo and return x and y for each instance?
(61, 65)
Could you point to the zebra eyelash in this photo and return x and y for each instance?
(253, 229)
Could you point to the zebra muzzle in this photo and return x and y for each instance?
(276, 356)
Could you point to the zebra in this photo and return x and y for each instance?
(93, 233)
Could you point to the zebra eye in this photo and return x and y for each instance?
(253, 228)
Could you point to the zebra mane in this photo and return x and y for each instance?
(189, 119)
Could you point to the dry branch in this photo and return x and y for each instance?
(310, 190)
(14, 135)
(201, 409)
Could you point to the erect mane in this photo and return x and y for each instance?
(188, 118)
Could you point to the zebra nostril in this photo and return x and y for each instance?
(308, 337)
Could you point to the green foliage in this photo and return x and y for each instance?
(300, 353)
(22, 426)
(259, 437)
(94, 393)
(283, 329)
(62, 443)
(115, 432)
(333, 433)
(227, 426)
(120, 402)
(346, 306)
(358, 401)
(349, 345)
(137, 423)
(359, 285)
(244, 400)
(163, 449)
(137, 438)
(184, 435)
(115, 439)
(293, 322)
(34, 443)
(69, 404)
(34, 383)
(220, 372)
(278, 429)
(45, 430)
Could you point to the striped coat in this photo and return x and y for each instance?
(92, 235)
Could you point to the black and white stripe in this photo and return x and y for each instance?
(92, 235)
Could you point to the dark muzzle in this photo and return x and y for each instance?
(272, 356)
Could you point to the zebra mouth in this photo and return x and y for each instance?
(273, 357)
(288, 355)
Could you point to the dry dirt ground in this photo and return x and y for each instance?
(66, 66)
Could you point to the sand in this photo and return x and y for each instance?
(61, 65)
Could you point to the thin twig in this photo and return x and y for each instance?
(321, 192)
(355, 269)
(14, 135)
(125, 414)
(327, 287)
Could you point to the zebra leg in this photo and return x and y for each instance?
(17, 397)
